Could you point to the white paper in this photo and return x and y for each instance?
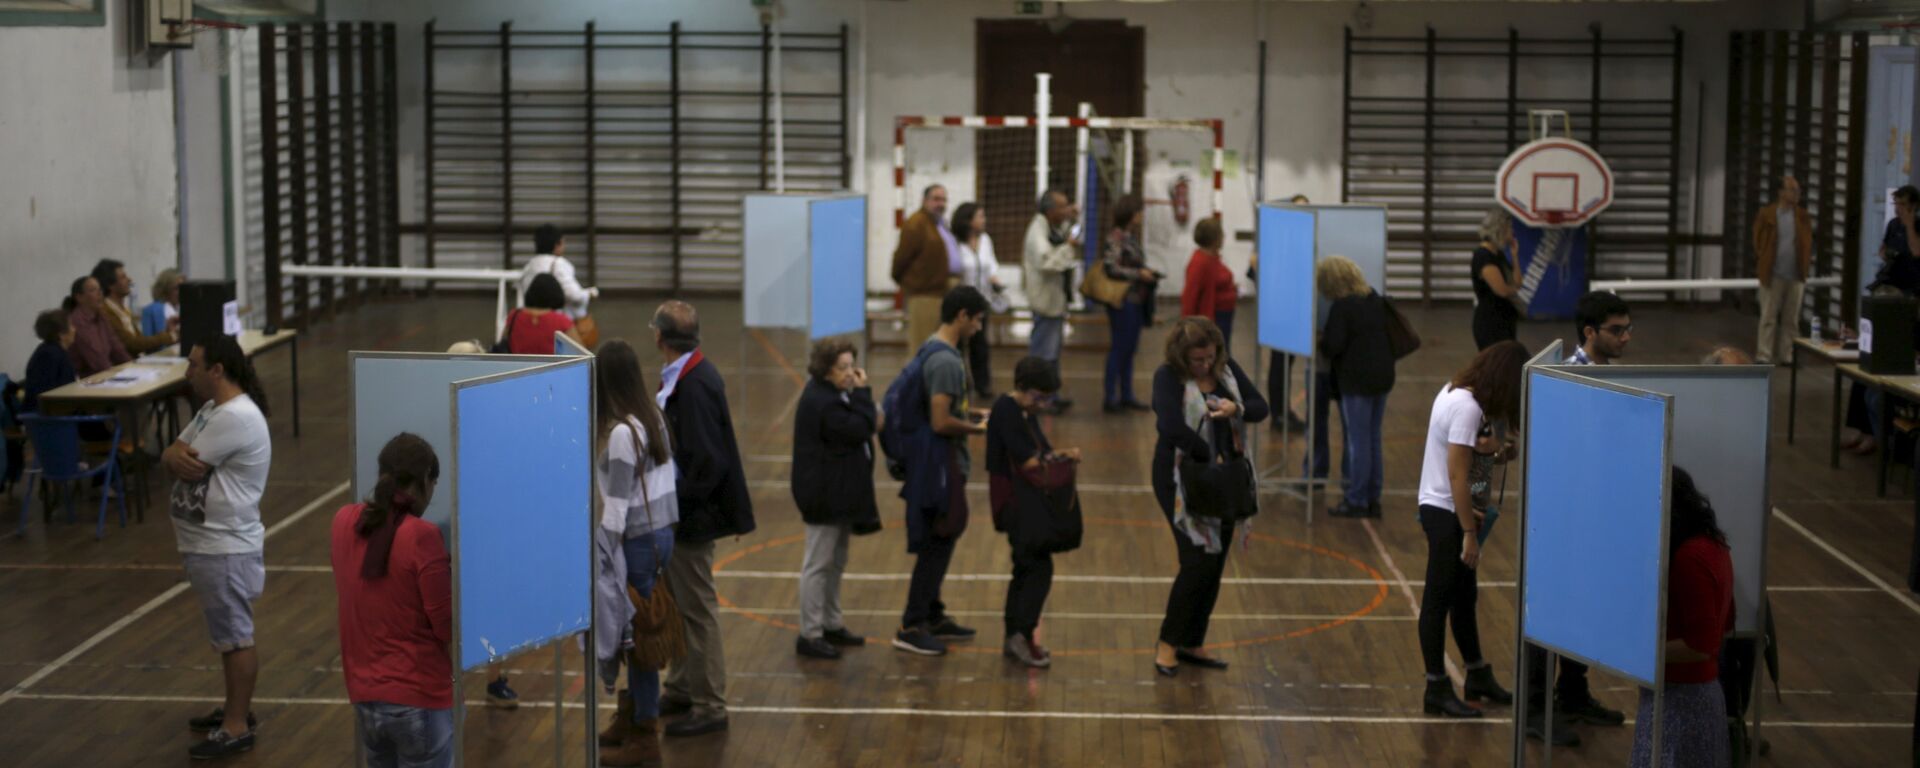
(230, 318)
(129, 377)
(1866, 336)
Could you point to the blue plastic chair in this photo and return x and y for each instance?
(56, 458)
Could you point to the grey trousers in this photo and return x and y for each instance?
(1779, 320)
(820, 571)
(702, 676)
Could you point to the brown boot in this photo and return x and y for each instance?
(616, 731)
(641, 747)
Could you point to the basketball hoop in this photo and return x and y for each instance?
(1553, 181)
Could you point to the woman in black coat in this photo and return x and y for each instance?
(1196, 391)
(1356, 343)
(833, 485)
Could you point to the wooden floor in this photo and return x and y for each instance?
(106, 657)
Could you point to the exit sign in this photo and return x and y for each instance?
(1029, 7)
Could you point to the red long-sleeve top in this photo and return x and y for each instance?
(1699, 605)
(1210, 289)
(395, 630)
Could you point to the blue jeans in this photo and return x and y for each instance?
(1225, 321)
(1315, 464)
(1126, 323)
(1361, 416)
(1044, 341)
(393, 736)
(646, 553)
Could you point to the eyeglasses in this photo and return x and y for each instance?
(1618, 330)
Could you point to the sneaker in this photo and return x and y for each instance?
(841, 637)
(215, 719)
(221, 744)
(918, 640)
(815, 648)
(1589, 710)
(946, 629)
(500, 696)
(1020, 650)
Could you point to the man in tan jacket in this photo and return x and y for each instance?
(923, 264)
(1783, 246)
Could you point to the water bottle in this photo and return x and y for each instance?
(1816, 328)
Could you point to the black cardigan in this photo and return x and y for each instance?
(713, 486)
(1169, 392)
(833, 456)
(1355, 340)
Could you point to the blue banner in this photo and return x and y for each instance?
(1552, 270)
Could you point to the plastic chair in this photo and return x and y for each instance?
(56, 458)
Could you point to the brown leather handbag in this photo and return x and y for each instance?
(659, 634)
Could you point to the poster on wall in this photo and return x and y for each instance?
(1552, 267)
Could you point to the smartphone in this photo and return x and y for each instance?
(1486, 523)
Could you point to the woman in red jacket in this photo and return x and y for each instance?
(1693, 711)
(1210, 291)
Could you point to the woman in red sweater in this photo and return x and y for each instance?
(1693, 712)
(394, 581)
(1210, 291)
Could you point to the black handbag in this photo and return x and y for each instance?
(1222, 487)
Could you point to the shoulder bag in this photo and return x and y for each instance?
(1401, 338)
(1222, 487)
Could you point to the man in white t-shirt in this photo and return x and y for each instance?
(220, 468)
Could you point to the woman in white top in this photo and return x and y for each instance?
(639, 505)
(550, 244)
(978, 268)
(1453, 502)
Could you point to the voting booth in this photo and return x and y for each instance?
(806, 263)
(514, 434)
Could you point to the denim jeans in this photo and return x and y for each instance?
(1360, 417)
(394, 736)
(1045, 340)
(1315, 463)
(1225, 321)
(645, 554)
(1125, 323)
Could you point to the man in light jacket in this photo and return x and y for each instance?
(1050, 255)
(1783, 246)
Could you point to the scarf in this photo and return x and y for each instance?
(380, 540)
(1203, 532)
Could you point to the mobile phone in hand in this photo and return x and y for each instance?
(1486, 523)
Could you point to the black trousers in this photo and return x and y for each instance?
(1027, 593)
(1569, 687)
(1278, 366)
(980, 361)
(923, 592)
(1197, 587)
(1452, 593)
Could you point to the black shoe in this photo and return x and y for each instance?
(697, 725)
(1482, 687)
(215, 719)
(219, 744)
(1165, 671)
(841, 637)
(815, 648)
(1373, 509)
(1439, 700)
(1295, 424)
(1344, 509)
(671, 706)
(1206, 662)
(945, 629)
(1563, 735)
(1135, 405)
(918, 641)
(1589, 710)
(1109, 407)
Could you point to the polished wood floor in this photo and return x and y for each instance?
(102, 657)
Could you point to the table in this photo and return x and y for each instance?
(1828, 351)
(1907, 387)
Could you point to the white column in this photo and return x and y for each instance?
(1042, 109)
(1081, 144)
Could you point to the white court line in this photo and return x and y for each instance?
(1453, 670)
(1263, 581)
(1848, 561)
(997, 714)
(148, 607)
(1084, 616)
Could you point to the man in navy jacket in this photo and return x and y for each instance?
(713, 504)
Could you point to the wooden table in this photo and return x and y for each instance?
(1831, 352)
(1903, 386)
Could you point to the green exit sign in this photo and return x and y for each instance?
(1029, 7)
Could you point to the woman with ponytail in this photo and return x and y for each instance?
(394, 580)
(638, 507)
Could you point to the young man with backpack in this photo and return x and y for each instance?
(929, 419)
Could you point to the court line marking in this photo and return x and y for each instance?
(1453, 670)
(1848, 561)
(150, 606)
(1086, 616)
(1000, 714)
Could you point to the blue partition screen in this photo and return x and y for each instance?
(837, 237)
(774, 273)
(1286, 279)
(523, 468)
(1595, 560)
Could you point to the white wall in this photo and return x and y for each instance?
(203, 214)
(86, 168)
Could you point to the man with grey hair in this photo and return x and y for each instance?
(1050, 252)
(713, 504)
(1783, 251)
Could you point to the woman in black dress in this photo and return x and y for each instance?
(1496, 313)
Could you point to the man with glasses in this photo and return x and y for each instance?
(1604, 325)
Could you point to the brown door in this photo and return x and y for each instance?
(1101, 62)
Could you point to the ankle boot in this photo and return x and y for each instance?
(616, 731)
(640, 748)
(1482, 687)
(1441, 701)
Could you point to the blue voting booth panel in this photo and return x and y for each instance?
(523, 479)
(1286, 279)
(1358, 232)
(1595, 561)
(774, 260)
(837, 237)
(395, 393)
(566, 346)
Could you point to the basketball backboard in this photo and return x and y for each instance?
(1554, 181)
